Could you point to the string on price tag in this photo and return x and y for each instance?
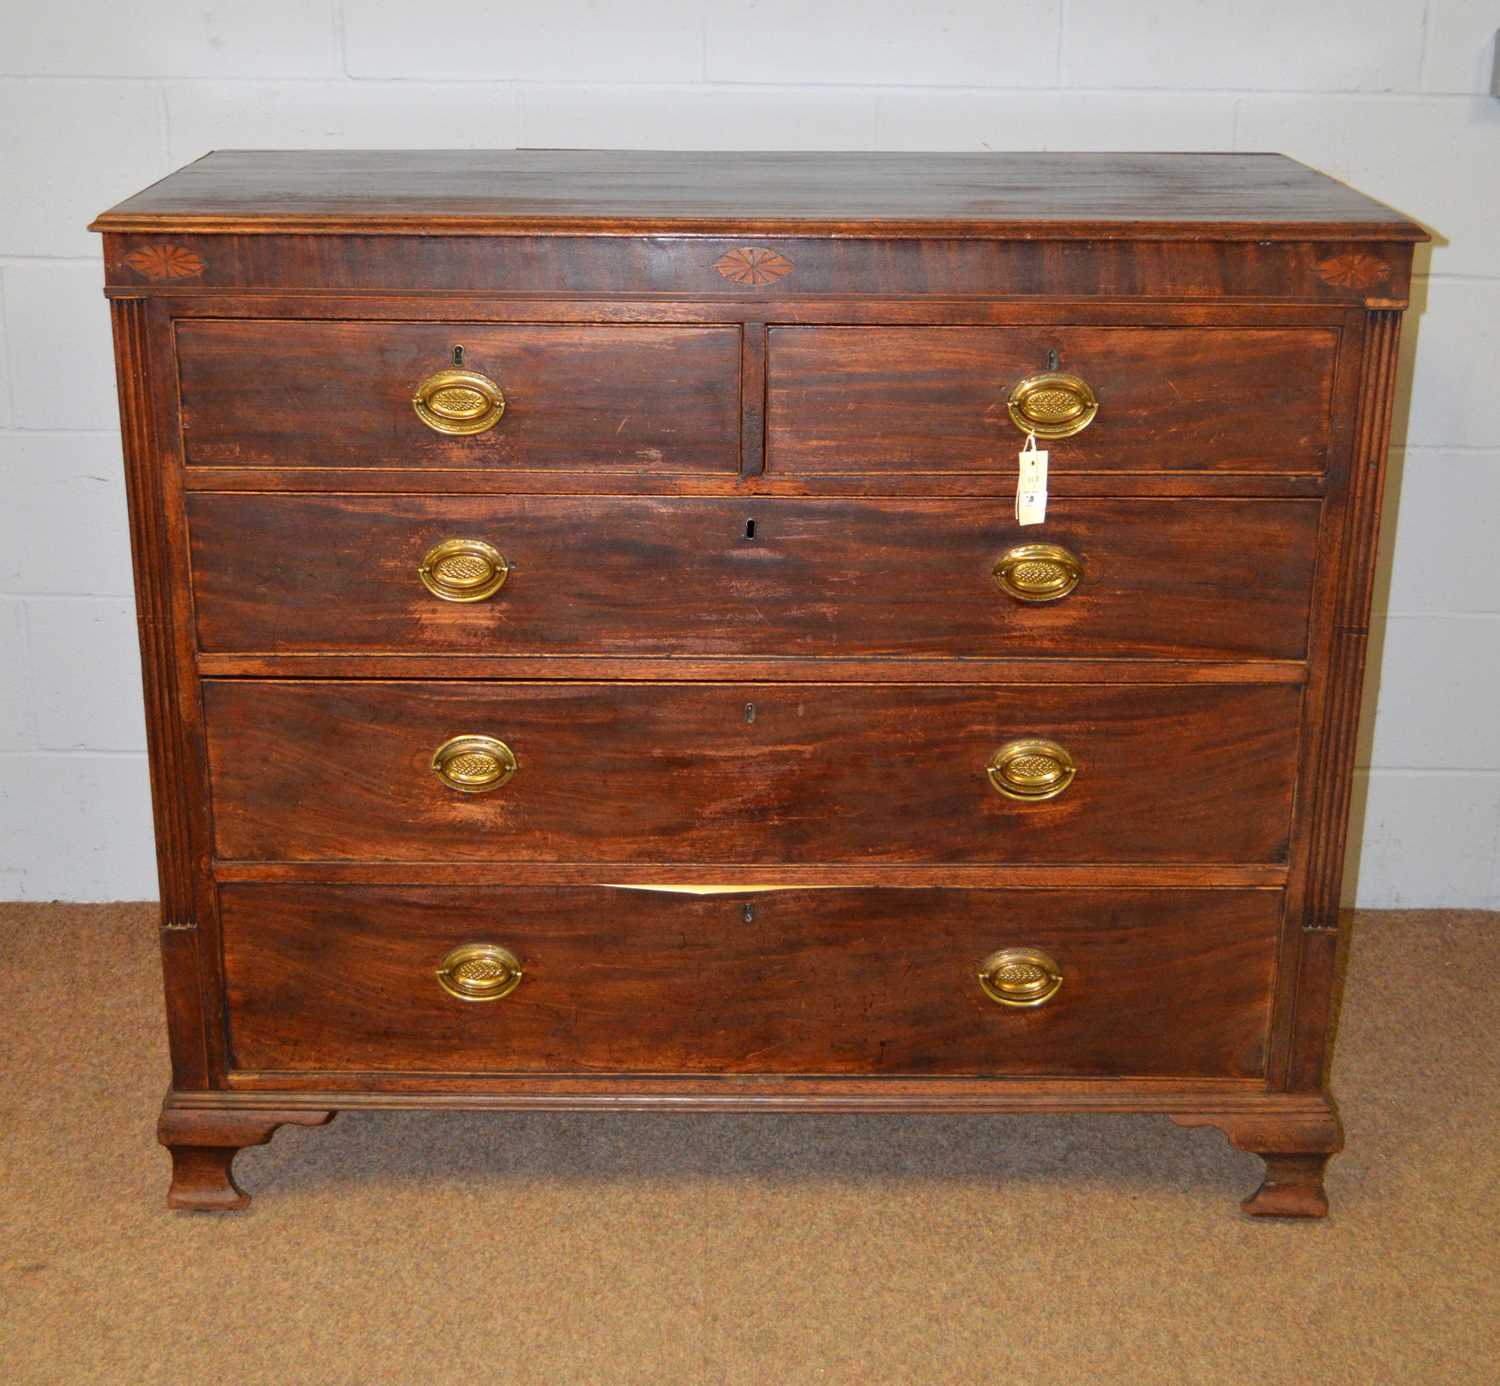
(1031, 484)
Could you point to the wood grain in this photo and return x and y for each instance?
(250, 1091)
(657, 399)
(530, 303)
(1010, 875)
(203, 1144)
(814, 981)
(779, 669)
(172, 751)
(1083, 196)
(1295, 1148)
(1350, 616)
(679, 772)
(996, 486)
(989, 273)
(660, 577)
(1331, 743)
(920, 399)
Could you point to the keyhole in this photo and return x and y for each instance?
(749, 712)
(749, 914)
(749, 529)
(1052, 359)
(458, 356)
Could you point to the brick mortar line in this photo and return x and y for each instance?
(337, 79)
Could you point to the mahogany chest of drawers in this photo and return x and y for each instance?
(593, 660)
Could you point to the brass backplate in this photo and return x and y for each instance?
(458, 402)
(473, 764)
(1020, 977)
(479, 972)
(1053, 405)
(463, 570)
(1031, 769)
(1038, 572)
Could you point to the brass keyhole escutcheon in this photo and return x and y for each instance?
(458, 402)
(1038, 572)
(479, 972)
(463, 570)
(1020, 977)
(1053, 404)
(1031, 769)
(473, 764)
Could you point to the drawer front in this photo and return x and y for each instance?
(640, 772)
(853, 981)
(661, 576)
(935, 399)
(265, 393)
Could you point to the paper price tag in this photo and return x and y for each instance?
(1031, 484)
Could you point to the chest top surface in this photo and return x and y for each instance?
(1001, 196)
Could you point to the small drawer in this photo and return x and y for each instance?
(694, 772)
(1118, 983)
(534, 396)
(1131, 399)
(658, 576)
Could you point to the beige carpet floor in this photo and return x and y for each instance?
(560, 1249)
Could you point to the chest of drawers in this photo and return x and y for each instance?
(592, 660)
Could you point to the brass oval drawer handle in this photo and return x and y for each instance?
(458, 401)
(1053, 405)
(1020, 977)
(479, 972)
(1031, 769)
(463, 570)
(473, 764)
(1038, 572)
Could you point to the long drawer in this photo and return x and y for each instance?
(937, 399)
(547, 396)
(655, 576)
(854, 981)
(642, 772)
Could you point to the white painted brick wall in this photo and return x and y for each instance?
(557, 41)
(100, 97)
(1272, 45)
(1078, 120)
(175, 38)
(942, 43)
(5, 419)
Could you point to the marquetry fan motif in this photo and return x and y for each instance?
(166, 262)
(753, 265)
(1352, 271)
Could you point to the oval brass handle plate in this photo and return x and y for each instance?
(1038, 572)
(463, 570)
(473, 764)
(458, 401)
(1053, 405)
(1020, 977)
(1031, 769)
(479, 972)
